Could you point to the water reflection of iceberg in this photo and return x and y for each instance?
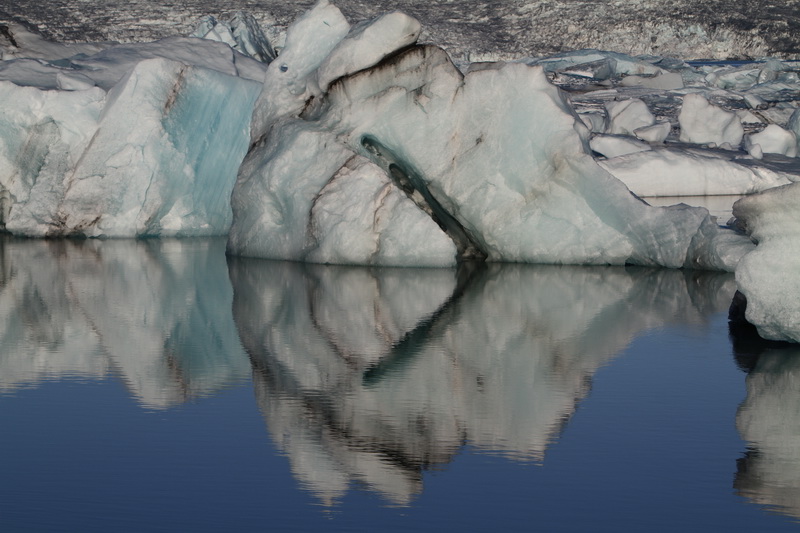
(373, 376)
(769, 419)
(155, 312)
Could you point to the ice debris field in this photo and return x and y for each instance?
(358, 145)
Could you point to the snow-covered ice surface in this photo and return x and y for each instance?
(352, 144)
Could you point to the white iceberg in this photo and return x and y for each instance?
(496, 157)
(357, 146)
(626, 116)
(768, 276)
(773, 140)
(673, 171)
(155, 155)
(704, 123)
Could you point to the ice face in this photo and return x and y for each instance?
(768, 276)
(168, 171)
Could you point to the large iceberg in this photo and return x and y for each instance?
(497, 158)
(132, 141)
(356, 145)
(768, 276)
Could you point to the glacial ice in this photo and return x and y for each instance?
(773, 140)
(71, 169)
(673, 171)
(355, 145)
(768, 276)
(626, 116)
(704, 123)
(496, 157)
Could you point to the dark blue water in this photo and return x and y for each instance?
(158, 386)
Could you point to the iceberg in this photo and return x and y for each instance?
(688, 171)
(704, 123)
(768, 276)
(147, 145)
(496, 158)
(357, 145)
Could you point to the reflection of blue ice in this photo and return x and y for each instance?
(155, 312)
(375, 375)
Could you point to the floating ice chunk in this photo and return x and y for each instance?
(704, 123)
(367, 44)
(733, 78)
(616, 145)
(596, 63)
(662, 80)
(601, 69)
(768, 276)
(677, 172)
(773, 140)
(657, 133)
(626, 116)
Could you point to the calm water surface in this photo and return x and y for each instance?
(158, 386)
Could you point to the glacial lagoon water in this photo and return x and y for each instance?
(160, 386)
